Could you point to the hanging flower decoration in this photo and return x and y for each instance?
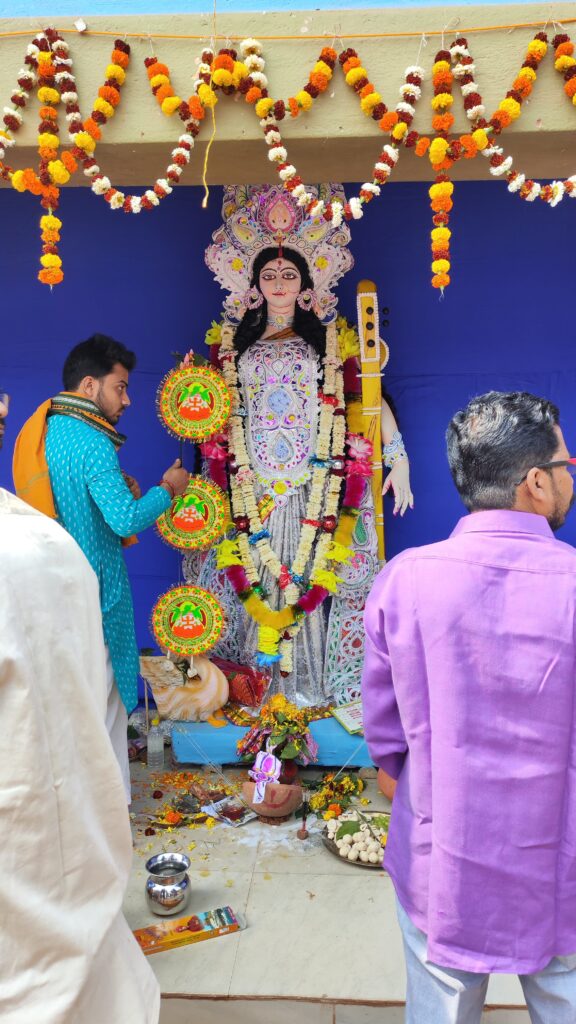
(441, 191)
(12, 116)
(326, 532)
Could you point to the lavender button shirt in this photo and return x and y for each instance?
(469, 700)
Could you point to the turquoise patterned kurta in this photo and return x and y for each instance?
(95, 505)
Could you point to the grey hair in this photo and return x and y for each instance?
(494, 441)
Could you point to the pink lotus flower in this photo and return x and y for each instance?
(359, 447)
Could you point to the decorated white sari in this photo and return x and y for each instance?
(278, 381)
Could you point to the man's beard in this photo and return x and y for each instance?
(558, 518)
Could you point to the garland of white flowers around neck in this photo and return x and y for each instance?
(326, 531)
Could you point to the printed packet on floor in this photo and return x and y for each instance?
(192, 928)
(230, 811)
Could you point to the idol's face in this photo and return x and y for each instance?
(280, 283)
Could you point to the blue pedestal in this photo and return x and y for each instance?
(200, 743)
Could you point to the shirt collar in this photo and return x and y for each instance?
(503, 521)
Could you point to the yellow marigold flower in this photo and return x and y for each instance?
(264, 106)
(214, 332)
(440, 234)
(511, 107)
(104, 107)
(85, 141)
(437, 151)
(564, 62)
(48, 95)
(527, 73)
(48, 140)
(440, 65)
(360, 785)
(303, 99)
(17, 180)
(355, 74)
(170, 105)
(117, 73)
(443, 99)
(222, 77)
(399, 131)
(441, 189)
(537, 48)
(240, 70)
(58, 172)
(207, 96)
(328, 815)
(49, 222)
(368, 103)
(50, 260)
(159, 80)
(364, 800)
(322, 68)
(480, 138)
(440, 266)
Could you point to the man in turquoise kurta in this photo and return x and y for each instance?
(100, 506)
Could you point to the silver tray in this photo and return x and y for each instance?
(333, 849)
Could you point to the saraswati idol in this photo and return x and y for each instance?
(294, 572)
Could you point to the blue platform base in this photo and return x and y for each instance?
(200, 743)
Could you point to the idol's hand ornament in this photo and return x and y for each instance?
(399, 480)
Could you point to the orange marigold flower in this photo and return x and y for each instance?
(442, 122)
(442, 205)
(173, 817)
(294, 108)
(445, 165)
(422, 146)
(564, 49)
(163, 93)
(92, 128)
(352, 62)
(440, 280)
(522, 85)
(366, 90)
(328, 53)
(196, 109)
(223, 61)
(47, 153)
(570, 87)
(120, 58)
(388, 121)
(157, 69)
(336, 808)
(69, 162)
(253, 94)
(502, 117)
(443, 78)
(110, 94)
(48, 114)
(319, 81)
(469, 146)
(51, 276)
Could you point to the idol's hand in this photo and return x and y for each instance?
(176, 477)
(399, 480)
(133, 486)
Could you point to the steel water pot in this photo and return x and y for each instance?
(168, 885)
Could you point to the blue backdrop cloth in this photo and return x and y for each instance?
(506, 323)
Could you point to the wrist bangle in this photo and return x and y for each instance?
(167, 484)
(394, 451)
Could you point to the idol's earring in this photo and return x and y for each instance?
(305, 299)
(253, 298)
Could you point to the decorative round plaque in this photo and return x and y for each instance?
(187, 621)
(195, 519)
(194, 402)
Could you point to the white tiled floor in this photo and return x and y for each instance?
(320, 933)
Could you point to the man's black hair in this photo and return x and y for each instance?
(95, 357)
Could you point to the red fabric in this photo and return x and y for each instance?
(247, 686)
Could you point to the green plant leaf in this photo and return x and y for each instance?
(348, 828)
(290, 750)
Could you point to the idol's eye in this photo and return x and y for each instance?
(290, 275)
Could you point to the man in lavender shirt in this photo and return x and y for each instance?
(470, 702)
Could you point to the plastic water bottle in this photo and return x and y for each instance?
(155, 755)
